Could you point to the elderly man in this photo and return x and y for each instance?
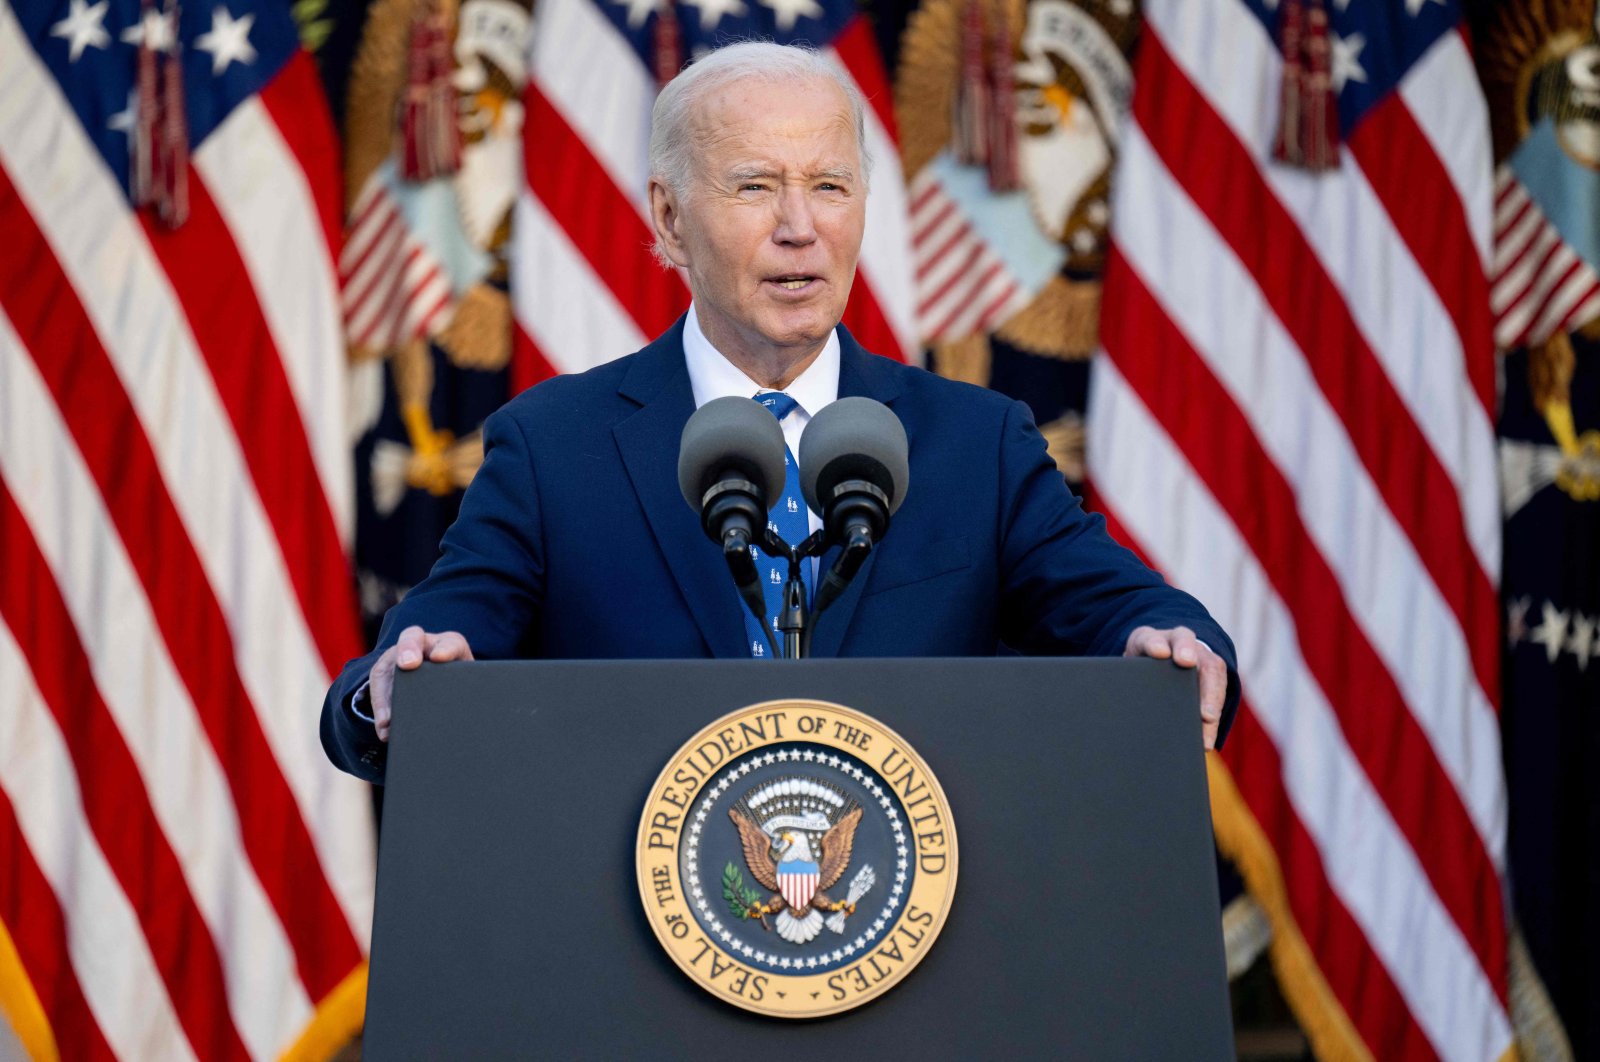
(573, 540)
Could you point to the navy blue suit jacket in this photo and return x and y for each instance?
(574, 542)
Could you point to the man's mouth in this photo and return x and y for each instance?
(793, 282)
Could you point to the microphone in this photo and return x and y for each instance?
(854, 469)
(730, 463)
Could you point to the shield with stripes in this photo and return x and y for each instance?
(797, 880)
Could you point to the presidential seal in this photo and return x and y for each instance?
(796, 858)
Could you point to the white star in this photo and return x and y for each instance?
(769, 757)
(783, 755)
(789, 10)
(1581, 643)
(83, 28)
(837, 955)
(783, 962)
(124, 120)
(711, 11)
(811, 962)
(1347, 60)
(807, 755)
(1517, 620)
(639, 10)
(228, 40)
(1414, 6)
(725, 936)
(155, 30)
(1551, 633)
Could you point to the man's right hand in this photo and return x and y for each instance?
(414, 645)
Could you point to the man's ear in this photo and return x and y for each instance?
(667, 219)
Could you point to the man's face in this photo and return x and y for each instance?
(770, 225)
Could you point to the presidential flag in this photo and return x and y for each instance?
(184, 874)
(1294, 419)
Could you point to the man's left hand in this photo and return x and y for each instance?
(1181, 647)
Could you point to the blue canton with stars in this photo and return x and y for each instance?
(1373, 44)
(709, 24)
(230, 49)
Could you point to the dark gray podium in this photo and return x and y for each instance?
(1084, 923)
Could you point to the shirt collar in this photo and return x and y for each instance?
(713, 376)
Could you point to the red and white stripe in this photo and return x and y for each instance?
(584, 285)
(394, 289)
(1540, 285)
(797, 889)
(175, 501)
(963, 287)
(1292, 420)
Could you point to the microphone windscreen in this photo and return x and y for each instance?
(730, 434)
(854, 438)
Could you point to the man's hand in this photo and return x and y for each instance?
(1181, 647)
(407, 654)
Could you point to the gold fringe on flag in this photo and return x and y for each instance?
(19, 1004)
(338, 1018)
(1240, 837)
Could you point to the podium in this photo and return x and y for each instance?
(1084, 923)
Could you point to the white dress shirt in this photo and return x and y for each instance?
(713, 376)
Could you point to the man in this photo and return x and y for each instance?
(573, 540)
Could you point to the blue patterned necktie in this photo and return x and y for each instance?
(789, 520)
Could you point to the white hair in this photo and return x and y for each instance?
(672, 146)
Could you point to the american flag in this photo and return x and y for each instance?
(182, 873)
(584, 286)
(1294, 420)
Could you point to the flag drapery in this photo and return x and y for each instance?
(584, 285)
(1293, 419)
(185, 874)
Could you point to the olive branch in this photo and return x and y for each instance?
(741, 898)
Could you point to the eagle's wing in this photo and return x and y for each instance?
(756, 846)
(836, 845)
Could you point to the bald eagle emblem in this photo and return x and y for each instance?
(797, 834)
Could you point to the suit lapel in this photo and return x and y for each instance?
(648, 441)
(871, 376)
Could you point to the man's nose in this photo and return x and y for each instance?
(796, 224)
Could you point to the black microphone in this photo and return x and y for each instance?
(854, 469)
(730, 463)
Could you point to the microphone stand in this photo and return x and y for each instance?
(859, 513)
